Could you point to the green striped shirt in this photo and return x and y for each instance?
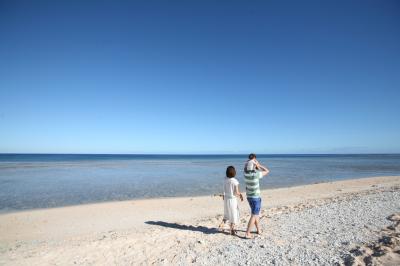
(253, 184)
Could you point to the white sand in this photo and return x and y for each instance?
(175, 230)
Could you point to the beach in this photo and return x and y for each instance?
(126, 127)
(342, 222)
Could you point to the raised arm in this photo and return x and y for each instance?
(264, 170)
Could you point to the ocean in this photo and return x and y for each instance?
(30, 181)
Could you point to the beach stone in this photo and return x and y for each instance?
(397, 227)
(368, 261)
(356, 252)
(394, 217)
(378, 252)
(386, 240)
(392, 227)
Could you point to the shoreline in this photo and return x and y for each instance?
(345, 186)
(186, 196)
(64, 231)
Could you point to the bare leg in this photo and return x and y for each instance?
(257, 223)
(221, 225)
(249, 225)
(233, 231)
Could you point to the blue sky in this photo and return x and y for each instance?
(200, 76)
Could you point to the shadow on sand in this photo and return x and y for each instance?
(202, 229)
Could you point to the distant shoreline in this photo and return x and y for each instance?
(30, 182)
(263, 191)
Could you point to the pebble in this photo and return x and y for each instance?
(394, 217)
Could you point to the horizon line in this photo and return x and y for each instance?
(188, 154)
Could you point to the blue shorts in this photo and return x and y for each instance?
(255, 205)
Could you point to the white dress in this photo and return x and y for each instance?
(231, 209)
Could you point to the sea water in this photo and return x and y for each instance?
(29, 181)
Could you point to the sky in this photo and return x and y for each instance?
(200, 77)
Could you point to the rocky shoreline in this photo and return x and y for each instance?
(322, 232)
(384, 251)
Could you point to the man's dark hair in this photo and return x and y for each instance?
(230, 171)
(252, 156)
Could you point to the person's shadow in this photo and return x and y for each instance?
(203, 229)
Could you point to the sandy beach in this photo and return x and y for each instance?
(345, 222)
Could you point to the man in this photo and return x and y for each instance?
(253, 172)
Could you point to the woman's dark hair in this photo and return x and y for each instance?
(252, 156)
(230, 171)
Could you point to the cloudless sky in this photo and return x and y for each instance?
(200, 76)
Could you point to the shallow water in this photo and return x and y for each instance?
(39, 181)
